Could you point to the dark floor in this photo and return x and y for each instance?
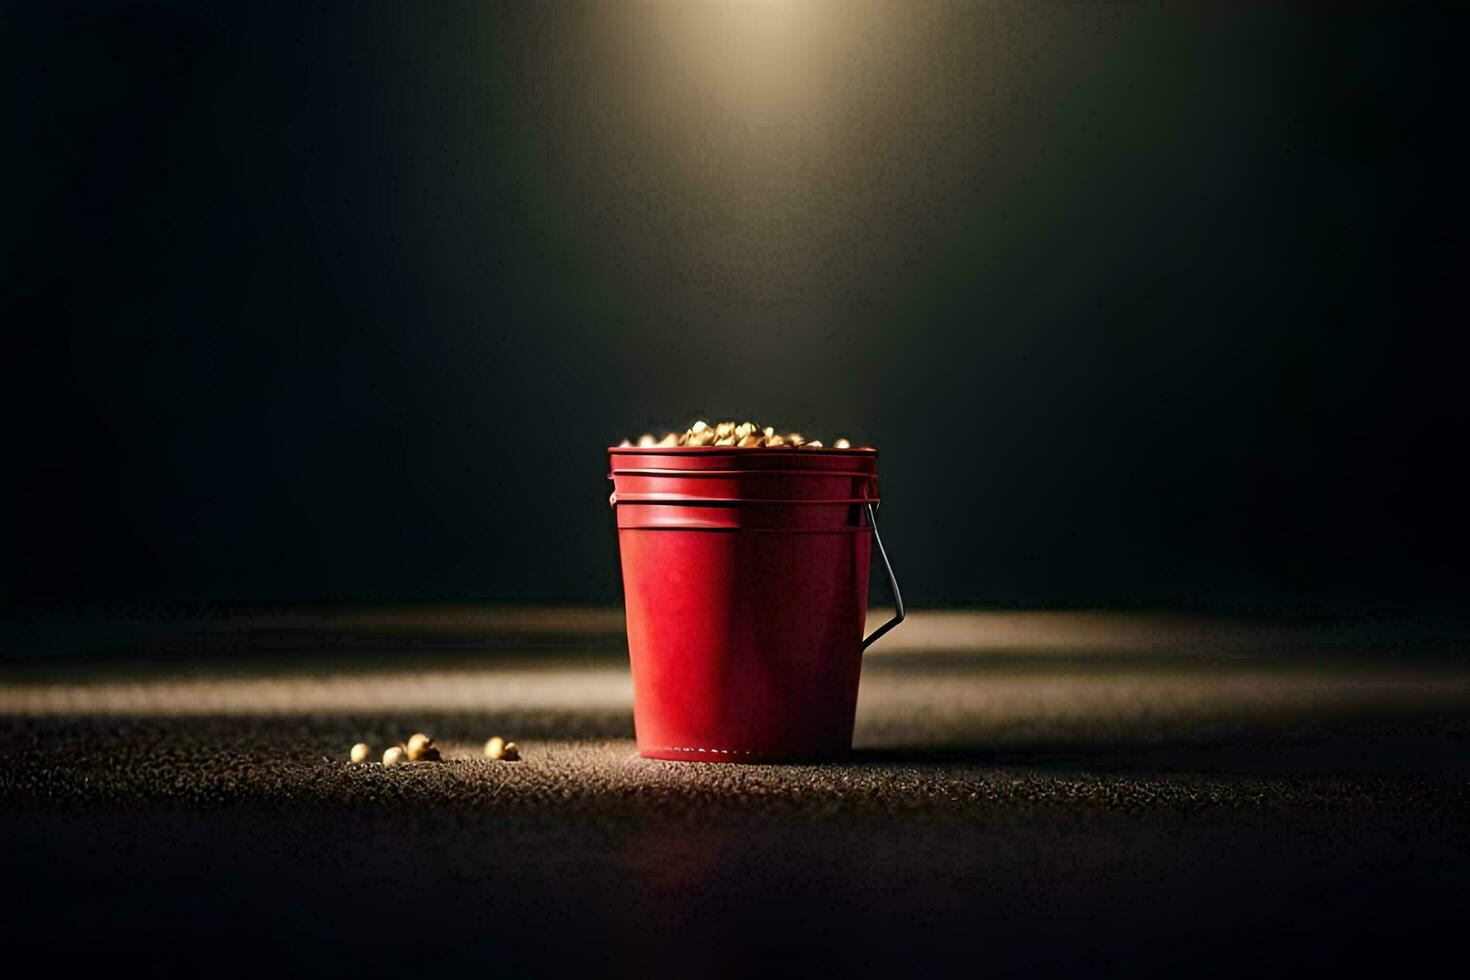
(1040, 795)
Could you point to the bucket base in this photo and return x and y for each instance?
(676, 753)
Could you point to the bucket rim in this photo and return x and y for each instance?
(681, 500)
(716, 474)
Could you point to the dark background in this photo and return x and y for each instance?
(1142, 303)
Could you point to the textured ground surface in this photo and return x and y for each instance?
(1030, 793)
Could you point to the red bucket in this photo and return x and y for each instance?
(745, 573)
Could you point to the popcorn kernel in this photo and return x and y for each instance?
(421, 748)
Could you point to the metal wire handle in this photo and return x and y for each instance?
(892, 582)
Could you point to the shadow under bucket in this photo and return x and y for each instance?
(745, 573)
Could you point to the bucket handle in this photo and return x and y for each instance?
(892, 582)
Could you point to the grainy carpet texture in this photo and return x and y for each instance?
(1029, 793)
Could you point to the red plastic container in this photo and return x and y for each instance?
(745, 573)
